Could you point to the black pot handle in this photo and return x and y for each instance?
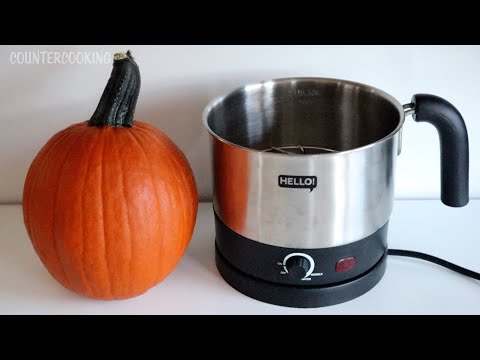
(453, 145)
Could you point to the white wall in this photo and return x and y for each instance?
(177, 82)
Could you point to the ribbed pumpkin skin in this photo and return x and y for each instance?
(110, 210)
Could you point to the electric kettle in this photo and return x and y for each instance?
(304, 173)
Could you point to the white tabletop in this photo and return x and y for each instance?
(409, 286)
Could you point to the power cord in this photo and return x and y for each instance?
(435, 260)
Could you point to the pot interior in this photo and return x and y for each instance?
(304, 115)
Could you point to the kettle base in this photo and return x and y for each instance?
(300, 296)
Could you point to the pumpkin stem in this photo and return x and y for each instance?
(118, 101)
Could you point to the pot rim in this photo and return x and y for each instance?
(211, 105)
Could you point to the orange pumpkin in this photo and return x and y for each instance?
(110, 205)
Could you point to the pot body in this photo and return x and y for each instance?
(304, 163)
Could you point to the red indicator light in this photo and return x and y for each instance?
(345, 264)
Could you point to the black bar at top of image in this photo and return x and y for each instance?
(240, 24)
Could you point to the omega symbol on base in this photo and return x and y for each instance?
(299, 266)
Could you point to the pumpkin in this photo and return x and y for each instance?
(110, 204)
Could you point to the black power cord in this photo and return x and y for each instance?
(435, 260)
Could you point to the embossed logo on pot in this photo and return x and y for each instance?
(297, 182)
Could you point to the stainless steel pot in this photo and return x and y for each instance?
(310, 162)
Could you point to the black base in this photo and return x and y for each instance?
(262, 272)
(300, 296)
